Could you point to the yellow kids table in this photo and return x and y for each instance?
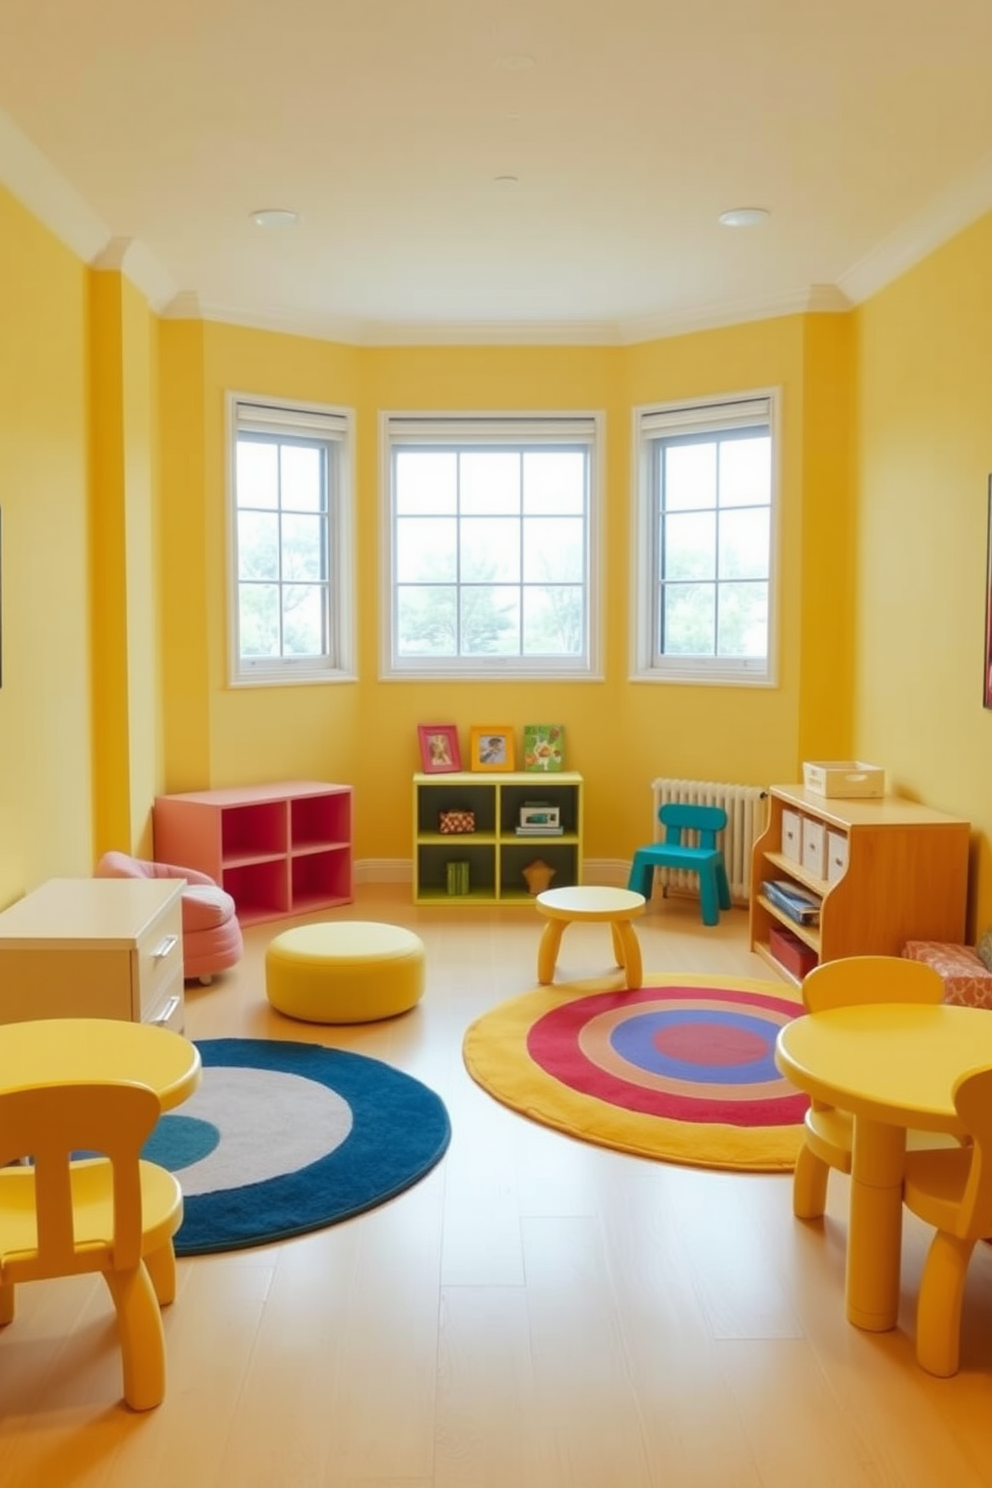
(893, 1066)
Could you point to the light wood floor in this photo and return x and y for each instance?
(536, 1313)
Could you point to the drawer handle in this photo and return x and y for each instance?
(165, 948)
(166, 1014)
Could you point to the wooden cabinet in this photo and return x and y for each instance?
(280, 849)
(892, 871)
(94, 948)
(495, 854)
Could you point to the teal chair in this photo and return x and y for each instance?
(706, 858)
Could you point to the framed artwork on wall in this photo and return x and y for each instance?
(492, 746)
(987, 681)
(439, 751)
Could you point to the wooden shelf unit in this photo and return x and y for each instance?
(495, 854)
(906, 876)
(280, 849)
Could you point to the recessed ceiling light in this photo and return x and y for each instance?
(743, 216)
(507, 181)
(274, 217)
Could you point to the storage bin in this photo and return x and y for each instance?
(792, 836)
(843, 778)
(814, 847)
(837, 846)
(791, 952)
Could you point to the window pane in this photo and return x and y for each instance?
(426, 550)
(490, 549)
(554, 482)
(554, 621)
(490, 620)
(257, 473)
(744, 547)
(554, 549)
(304, 548)
(303, 620)
(302, 477)
(519, 513)
(689, 616)
(746, 471)
(426, 482)
(258, 545)
(490, 483)
(690, 546)
(690, 476)
(743, 626)
(426, 620)
(259, 619)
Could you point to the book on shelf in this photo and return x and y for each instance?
(798, 903)
(540, 831)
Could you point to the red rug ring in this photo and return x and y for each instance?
(681, 1069)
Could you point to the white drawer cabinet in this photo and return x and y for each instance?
(94, 948)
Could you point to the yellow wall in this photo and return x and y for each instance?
(924, 395)
(113, 465)
(45, 697)
(620, 735)
(127, 682)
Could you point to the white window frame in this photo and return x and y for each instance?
(335, 426)
(721, 411)
(462, 430)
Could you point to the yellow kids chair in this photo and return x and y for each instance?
(951, 1190)
(828, 1132)
(62, 1215)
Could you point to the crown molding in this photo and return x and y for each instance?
(820, 298)
(30, 176)
(44, 191)
(945, 215)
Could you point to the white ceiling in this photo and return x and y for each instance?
(146, 135)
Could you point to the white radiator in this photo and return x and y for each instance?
(746, 808)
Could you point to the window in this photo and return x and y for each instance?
(705, 541)
(290, 543)
(491, 528)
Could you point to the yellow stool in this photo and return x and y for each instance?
(589, 902)
(352, 971)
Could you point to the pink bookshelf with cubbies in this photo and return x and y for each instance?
(280, 849)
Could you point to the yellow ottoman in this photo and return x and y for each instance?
(354, 971)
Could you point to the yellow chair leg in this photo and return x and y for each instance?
(6, 1303)
(618, 954)
(142, 1337)
(809, 1185)
(938, 1312)
(162, 1270)
(547, 951)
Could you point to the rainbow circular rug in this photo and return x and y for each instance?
(682, 1070)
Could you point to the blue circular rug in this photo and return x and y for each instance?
(282, 1138)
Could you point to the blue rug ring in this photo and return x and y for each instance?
(283, 1138)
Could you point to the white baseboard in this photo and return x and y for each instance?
(400, 870)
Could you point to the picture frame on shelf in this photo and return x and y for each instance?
(492, 747)
(440, 753)
(544, 747)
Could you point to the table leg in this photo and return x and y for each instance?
(547, 951)
(628, 952)
(874, 1240)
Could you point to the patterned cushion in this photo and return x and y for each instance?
(967, 980)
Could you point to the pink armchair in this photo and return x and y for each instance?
(211, 933)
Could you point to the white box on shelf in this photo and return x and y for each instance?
(792, 836)
(836, 856)
(843, 778)
(814, 847)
